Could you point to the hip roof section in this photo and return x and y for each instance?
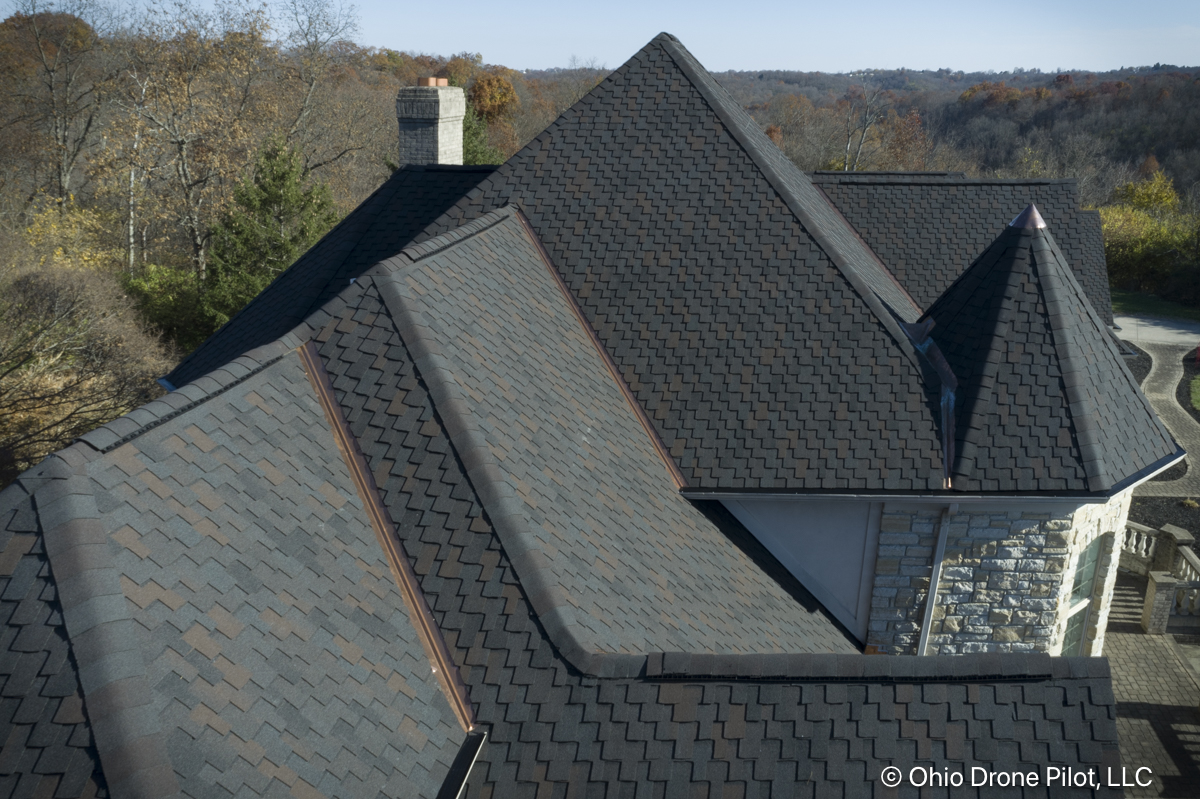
(928, 227)
(617, 560)
(751, 323)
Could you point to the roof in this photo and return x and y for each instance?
(929, 226)
(236, 617)
(446, 505)
(252, 638)
(380, 227)
(748, 319)
(1045, 402)
(582, 499)
(692, 722)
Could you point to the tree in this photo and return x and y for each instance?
(200, 83)
(863, 107)
(52, 70)
(477, 149)
(73, 354)
(493, 97)
(273, 220)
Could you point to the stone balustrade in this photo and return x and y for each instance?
(1167, 559)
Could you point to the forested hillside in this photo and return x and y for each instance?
(160, 169)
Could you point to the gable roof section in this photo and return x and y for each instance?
(1045, 402)
(242, 624)
(928, 227)
(582, 499)
(748, 319)
(379, 228)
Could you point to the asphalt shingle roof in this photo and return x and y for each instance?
(242, 626)
(209, 565)
(928, 227)
(379, 228)
(622, 563)
(794, 725)
(744, 313)
(1045, 402)
(46, 745)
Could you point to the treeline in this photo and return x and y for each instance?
(1098, 128)
(159, 169)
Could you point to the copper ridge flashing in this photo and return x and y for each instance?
(440, 659)
(634, 406)
(505, 509)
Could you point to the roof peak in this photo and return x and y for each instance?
(1029, 219)
(1015, 324)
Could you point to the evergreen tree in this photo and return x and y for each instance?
(476, 147)
(274, 219)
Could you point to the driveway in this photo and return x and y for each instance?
(1156, 330)
(1166, 341)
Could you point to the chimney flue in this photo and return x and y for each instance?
(430, 115)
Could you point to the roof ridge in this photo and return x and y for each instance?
(483, 469)
(96, 617)
(1081, 408)
(141, 420)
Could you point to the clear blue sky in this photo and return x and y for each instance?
(801, 35)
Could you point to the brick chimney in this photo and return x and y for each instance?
(431, 122)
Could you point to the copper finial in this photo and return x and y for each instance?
(1029, 219)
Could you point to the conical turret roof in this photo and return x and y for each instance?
(1044, 401)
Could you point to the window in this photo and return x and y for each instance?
(1081, 597)
(1073, 638)
(1085, 572)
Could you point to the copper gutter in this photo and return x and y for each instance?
(381, 521)
(634, 405)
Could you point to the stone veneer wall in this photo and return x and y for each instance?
(1006, 577)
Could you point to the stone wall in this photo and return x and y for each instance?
(1006, 577)
(1107, 520)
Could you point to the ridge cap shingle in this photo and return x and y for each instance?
(158, 411)
(96, 616)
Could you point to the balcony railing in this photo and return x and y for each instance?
(1166, 558)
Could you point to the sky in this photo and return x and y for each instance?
(1094, 35)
